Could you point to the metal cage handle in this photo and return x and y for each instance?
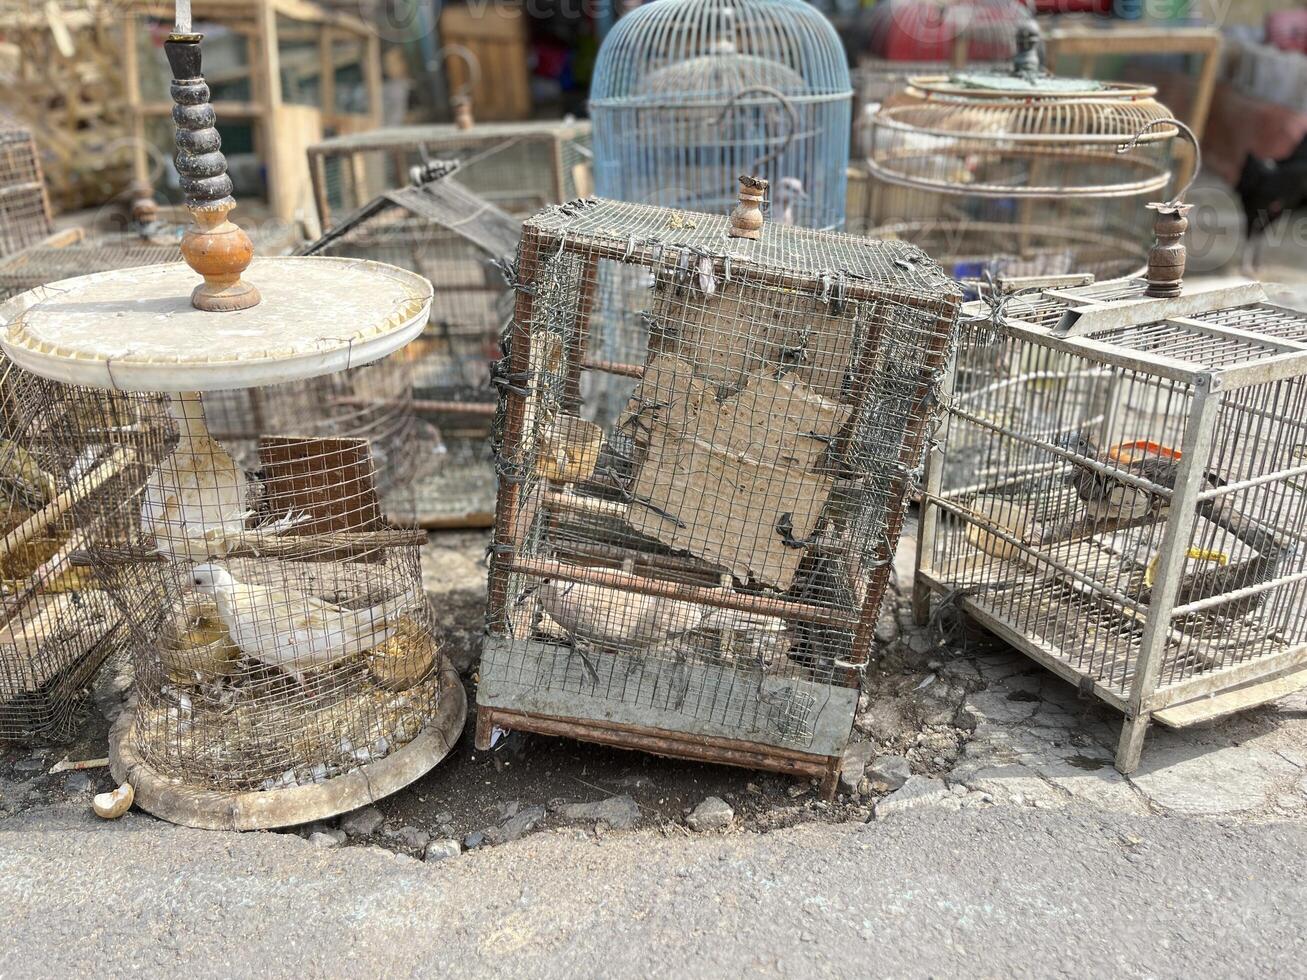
(790, 112)
(469, 58)
(1185, 131)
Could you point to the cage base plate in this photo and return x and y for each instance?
(190, 805)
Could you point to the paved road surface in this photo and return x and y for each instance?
(988, 892)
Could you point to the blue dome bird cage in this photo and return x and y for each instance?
(689, 94)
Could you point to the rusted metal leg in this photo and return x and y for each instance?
(830, 780)
(1131, 745)
(485, 726)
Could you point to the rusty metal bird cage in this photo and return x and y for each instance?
(286, 667)
(439, 229)
(24, 206)
(700, 579)
(1135, 520)
(1019, 171)
(517, 166)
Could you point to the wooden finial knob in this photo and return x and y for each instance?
(1166, 257)
(462, 111)
(746, 218)
(213, 245)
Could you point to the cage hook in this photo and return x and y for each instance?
(1184, 131)
(790, 112)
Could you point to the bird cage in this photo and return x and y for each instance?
(1136, 523)
(24, 208)
(59, 624)
(73, 253)
(286, 667)
(438, 228)
(517, 166)
(1019, 171)
(701, 578)
(688, 94)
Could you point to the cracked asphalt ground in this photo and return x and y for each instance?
(1002, 891)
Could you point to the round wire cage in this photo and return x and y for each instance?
(1019, 170)
(689, 94)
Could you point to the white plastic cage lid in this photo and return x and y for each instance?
(136, 330)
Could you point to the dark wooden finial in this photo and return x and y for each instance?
(1166, 257)
(213, 245)
(746, 218)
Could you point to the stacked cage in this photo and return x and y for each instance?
(1019, 172)
(24, 207)
(700, 578)
(65, 452)
(689, 94)
(517, 166)
(438, 228)
(1135, 519)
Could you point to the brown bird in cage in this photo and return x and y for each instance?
(637, 623)
(1108, 499)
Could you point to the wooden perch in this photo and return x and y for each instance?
(332, 546)
(55, 509)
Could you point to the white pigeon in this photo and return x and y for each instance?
(634, 622)
(294, 631)
(196, 498)
(789, 194)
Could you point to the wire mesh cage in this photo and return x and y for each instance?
(688, 94)
(700, 578)
(1134, 521)
(59, 623)
(285, 662)
(1019, 171)
(24, 207)
(462, 243)
(517, 166)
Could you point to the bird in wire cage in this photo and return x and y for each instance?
(638, 623)
(1108, 500)
(196, 497)
(22, 480)
(292, 630)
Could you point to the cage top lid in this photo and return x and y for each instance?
(657, 36)
(821, 258)
(439, 202)
(447, 134)
(136, 330)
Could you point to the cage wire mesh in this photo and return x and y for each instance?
(282, 634)
(1134, 516)
(708, 566)
(517, 166)
(688, 94)
(24, 207)
(444, 475)
(1018, 172)
(62, 456)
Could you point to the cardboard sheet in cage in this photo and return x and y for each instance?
(713, 700)
(727, 507)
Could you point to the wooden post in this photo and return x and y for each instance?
(1203, 414)
(928, 513)
(132, 80)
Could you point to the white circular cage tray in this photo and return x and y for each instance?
(136, 330)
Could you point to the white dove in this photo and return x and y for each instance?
(294, 631)
(633, 622)
(789, 194)
(196, 498)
